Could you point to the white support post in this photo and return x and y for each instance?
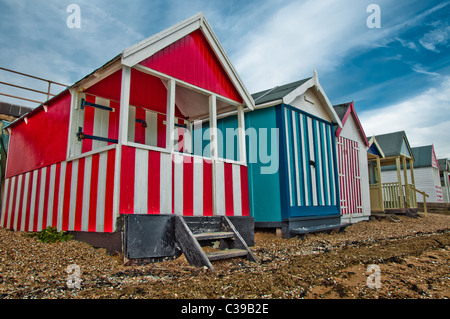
(213, 146)
(241, 132)
(213, 126)
(73, 122)
(170, 118)
(124, 105)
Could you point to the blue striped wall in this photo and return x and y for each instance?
(310, 178)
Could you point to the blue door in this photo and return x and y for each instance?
(310, 178)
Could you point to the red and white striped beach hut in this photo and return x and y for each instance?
(121, 142)
(352, 144)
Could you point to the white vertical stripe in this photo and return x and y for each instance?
(178, 184)
(305, 164)
(86, 193)
(41, 198)
(4, 208)
(101, 192)
(24, 201)
(237, 195)
(101, 122)
(73, 195)
(312, 157)
(288, 156)
(131, 123)
(51, 196)
(326, 165)
(319, 159)
(220, 187)
(166, 184)
(33, 200)
(296, 160)
(11, 200)
(198, 186)
(16, 210)
(140, 181)
(151, 131)
(333, 181)
(62, 183)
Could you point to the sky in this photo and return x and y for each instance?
(397, 73)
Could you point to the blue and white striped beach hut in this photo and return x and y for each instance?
(302, 194)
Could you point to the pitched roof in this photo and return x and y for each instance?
(277, 92)
(146, 48)
(444, 164)
(141, 50)
(374, 147)
(422, 156)
(391, 143)
(286, 93)
(344, 111)
(341, 109)
(13, 109)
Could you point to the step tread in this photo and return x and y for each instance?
(214, 235)
(227, 253)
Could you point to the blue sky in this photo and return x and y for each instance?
(398, 75)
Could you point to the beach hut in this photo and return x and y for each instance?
(111, 157)
(291, 155)
(398, 186)
(444, 173)
(353, 169)
(426, 173)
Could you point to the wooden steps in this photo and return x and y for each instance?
(193, 233)
(225, 254)
(214, 235)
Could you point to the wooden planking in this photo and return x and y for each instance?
(189, 245)
(188, 178)
(349, 176)
(310, 179)
(141, 182)
(67, 195)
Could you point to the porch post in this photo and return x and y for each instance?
(405, 175)
(213, 126)
(213, 146)
(124, 105)
(241, 132)
(400, 186)
(413, 182)
(170, 118)
(380, 184)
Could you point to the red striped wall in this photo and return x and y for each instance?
(72, 196)
(78, 195)
(152, 177)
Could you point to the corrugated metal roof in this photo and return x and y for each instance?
(391, 143)
(277, 92)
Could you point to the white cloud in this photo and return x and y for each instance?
(425, 118)
(302, 36)
(435, 38)
(407, 44)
